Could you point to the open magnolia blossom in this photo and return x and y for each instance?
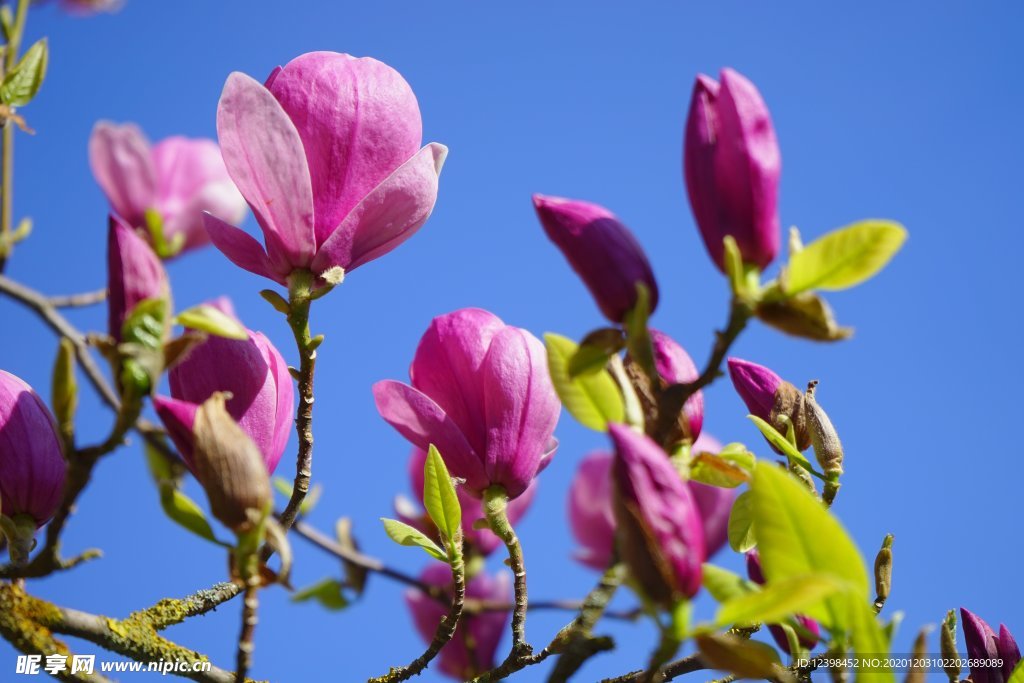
(327, 154)
(176, 180)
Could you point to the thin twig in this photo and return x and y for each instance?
(79, 300)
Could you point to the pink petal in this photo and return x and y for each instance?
(122, 164)
(447, 363)
(422, 422)
(264, 155)
(358, 120)
(520, 408)
(178, 417)
(241, 248)
(387, 216)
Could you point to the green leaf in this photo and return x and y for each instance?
(723, 585)
(783, 444)
(868, 638)
(183, 510)
(638, 337)
(403, 534)
(439, 497)
(327, 592)
(741, 523)
(778, 600)
(22, 83)
(594, 400)
(733, 262)
(797, 536)
(728, 468)
(845, 257)
(208, 319)
(739, 656)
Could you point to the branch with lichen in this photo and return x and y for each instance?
(30, 622)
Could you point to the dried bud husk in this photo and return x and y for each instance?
(789, 410)
(918, 671)
(827, 448)
(947, 645)
(883, 572)
(229, 466)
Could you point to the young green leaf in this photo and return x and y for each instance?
(741, 657)
(184, 511)
(741, 523)
(593, 399)
(1017, 675)
(868, 638)
(22, 83)
(638, 337)
(327, 592)
(845, 257)
(211, 320)
(783, 444)
(439, 497)
(778, 600)
(723, 585)
(717, 470)
(797, 536)
(403, 534)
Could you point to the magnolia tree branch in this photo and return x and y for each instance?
(29, 623)
(79, 300)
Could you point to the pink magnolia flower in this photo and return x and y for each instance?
(592, 517)
(327, 153)
(602, 251)
(32, 466)
(484, 630)
(660, 536)
(86, 7)
(481, 393)
(134, 274)
(262, 396)
(472, 509)
(984, 645)
(179, 178)
(732, 166)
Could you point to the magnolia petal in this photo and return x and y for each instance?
(244, 251)
(122, 164)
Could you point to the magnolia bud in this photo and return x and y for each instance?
(771, 398)
(883, 572)
(947, 645)
(827, 448)
(228, 465)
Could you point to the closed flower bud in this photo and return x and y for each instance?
(481, 393)
(177, 179)
(482, 540)
(732, 166)
(812, 630)
(601, 250)
(592, 514)
(883, 572)
(483, 632)
(327, 154)
(675, 366)
(983, 644)
(659, 528)
(252, 371)
(947, 647)
(827, 448)
(32, 466)
(771, 398)
(229, 466)
(134, 274)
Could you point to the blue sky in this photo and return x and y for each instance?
(905, 111)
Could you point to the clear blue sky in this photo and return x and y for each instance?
(903, 110)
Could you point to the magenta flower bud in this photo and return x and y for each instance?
(256, 376)
(770, 398)
(32, 463)
(675, 366)
(660, 535)
(713, 502)
(732, 165)
(807, 640)
(472, 509)
(179, 178)
(982, 643)
(327, 154)
(480, 392)
(484, 630)
(591, 516)
(134, 274)
(601, 250)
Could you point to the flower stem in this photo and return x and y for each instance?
(7, 139)
(496, 511)
(300, 296)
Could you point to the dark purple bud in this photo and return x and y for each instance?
(770, 398)
(601, 250)
(982, 644)
(134, 274)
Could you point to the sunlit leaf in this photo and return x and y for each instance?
(845, 257)
(593, 399)
(403, 534)
(439, 497)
